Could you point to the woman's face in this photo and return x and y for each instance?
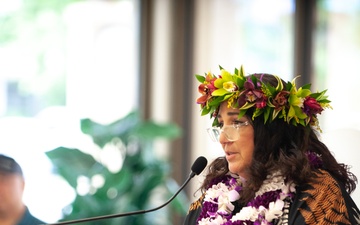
(239, 152)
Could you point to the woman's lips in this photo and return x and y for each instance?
(230, 155)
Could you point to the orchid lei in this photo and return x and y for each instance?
(270, 202)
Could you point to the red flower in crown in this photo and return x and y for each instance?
(206, 89)
(311, 106)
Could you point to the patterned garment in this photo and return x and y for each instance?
(324, 202)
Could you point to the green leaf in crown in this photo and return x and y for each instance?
(281, 101)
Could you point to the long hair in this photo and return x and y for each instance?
(285, 147)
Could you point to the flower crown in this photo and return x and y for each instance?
(294, 105)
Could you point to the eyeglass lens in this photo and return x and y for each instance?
(230, 132)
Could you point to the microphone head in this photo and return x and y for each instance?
(199, 165)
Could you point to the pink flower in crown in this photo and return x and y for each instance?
(206, 89)
(311, 106)
(252, 95)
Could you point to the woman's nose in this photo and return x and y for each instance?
(222, 138)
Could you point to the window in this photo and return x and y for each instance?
(62, 61)
(337, 56)
(253, 33)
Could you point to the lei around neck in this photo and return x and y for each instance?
(294, 105)
(271, 202)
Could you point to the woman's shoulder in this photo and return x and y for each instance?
(323, 185)
(325, 199)
(323, 182)
(194, 211)
(197, 204)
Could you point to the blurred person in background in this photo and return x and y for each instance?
(13, 211)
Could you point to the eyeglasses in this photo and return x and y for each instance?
(231, 132)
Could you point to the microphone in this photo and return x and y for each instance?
(197, 167)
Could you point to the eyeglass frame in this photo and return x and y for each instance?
(216, 136)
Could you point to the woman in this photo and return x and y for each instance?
(275, 169)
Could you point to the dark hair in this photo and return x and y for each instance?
(285, 147)
(9, 165)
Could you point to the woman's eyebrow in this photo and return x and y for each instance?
(232, 113)
(228, 113)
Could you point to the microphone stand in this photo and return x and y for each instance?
(191, 175)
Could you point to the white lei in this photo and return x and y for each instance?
(223, 195)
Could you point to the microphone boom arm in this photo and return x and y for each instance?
(191, 175)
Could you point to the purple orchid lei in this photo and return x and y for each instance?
(269, 204)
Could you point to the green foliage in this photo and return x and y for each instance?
(132, 188)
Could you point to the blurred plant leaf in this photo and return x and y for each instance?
(103, 134)
(72, 163)
(131, 125)
(130, 189)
